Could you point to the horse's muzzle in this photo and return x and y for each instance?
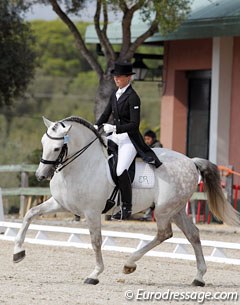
(44, 172)
(40, 178)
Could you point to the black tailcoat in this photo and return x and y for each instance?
(126, 116)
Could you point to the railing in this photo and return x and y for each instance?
(75, 237)
(24, 190)
(197, 206)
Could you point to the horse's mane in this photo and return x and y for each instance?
(86, 124)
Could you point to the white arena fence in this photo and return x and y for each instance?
(74, 237)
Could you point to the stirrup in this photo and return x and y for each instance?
(123, 214)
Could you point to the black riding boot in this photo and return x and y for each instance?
(125, 187)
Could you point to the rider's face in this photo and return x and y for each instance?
(122, 81)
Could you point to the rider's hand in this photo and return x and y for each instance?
(109, 128)
(95, 126)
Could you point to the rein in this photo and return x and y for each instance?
(75, 155)
(63, 153)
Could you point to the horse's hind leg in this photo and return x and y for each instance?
(47, 206)
(164, 232)
(192, 234)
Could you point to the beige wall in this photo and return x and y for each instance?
(185, 55)
(180, 56)
(234, 151)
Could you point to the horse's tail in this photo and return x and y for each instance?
(217, 202)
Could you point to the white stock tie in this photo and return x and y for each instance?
(119, 93)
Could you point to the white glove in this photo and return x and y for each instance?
(95, 126)
(109, 128)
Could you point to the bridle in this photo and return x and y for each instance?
(62, 157)
(63, 153)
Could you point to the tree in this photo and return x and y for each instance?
(16, 53)
(168, 16)
(57, 54)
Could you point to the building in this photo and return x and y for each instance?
(200, 108)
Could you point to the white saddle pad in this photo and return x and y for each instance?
(144, 175)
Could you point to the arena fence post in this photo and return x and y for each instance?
(2, 229)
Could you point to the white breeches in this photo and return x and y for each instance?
(126, 151)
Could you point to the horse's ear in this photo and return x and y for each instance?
(47, 122)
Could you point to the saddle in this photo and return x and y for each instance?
(141, 174)
(112, 162)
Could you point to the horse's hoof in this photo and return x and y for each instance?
(198, 283)
(18, 257)
(128, 270)
(91, 281)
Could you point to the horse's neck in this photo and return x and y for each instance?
(80, 137)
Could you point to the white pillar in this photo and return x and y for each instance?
(222, 57)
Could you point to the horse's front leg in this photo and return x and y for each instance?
(47, 206)
(94, 225)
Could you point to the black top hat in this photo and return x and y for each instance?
(122, 69)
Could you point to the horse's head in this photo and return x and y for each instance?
(54, 143)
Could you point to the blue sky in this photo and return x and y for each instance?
(41, 12)
(46, 13)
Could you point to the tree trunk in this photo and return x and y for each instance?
(104, 90)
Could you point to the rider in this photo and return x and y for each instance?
(124, 105)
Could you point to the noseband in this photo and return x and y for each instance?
(64, 152)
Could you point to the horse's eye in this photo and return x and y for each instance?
(56, 149)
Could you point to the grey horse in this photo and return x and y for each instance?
(75, 158)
